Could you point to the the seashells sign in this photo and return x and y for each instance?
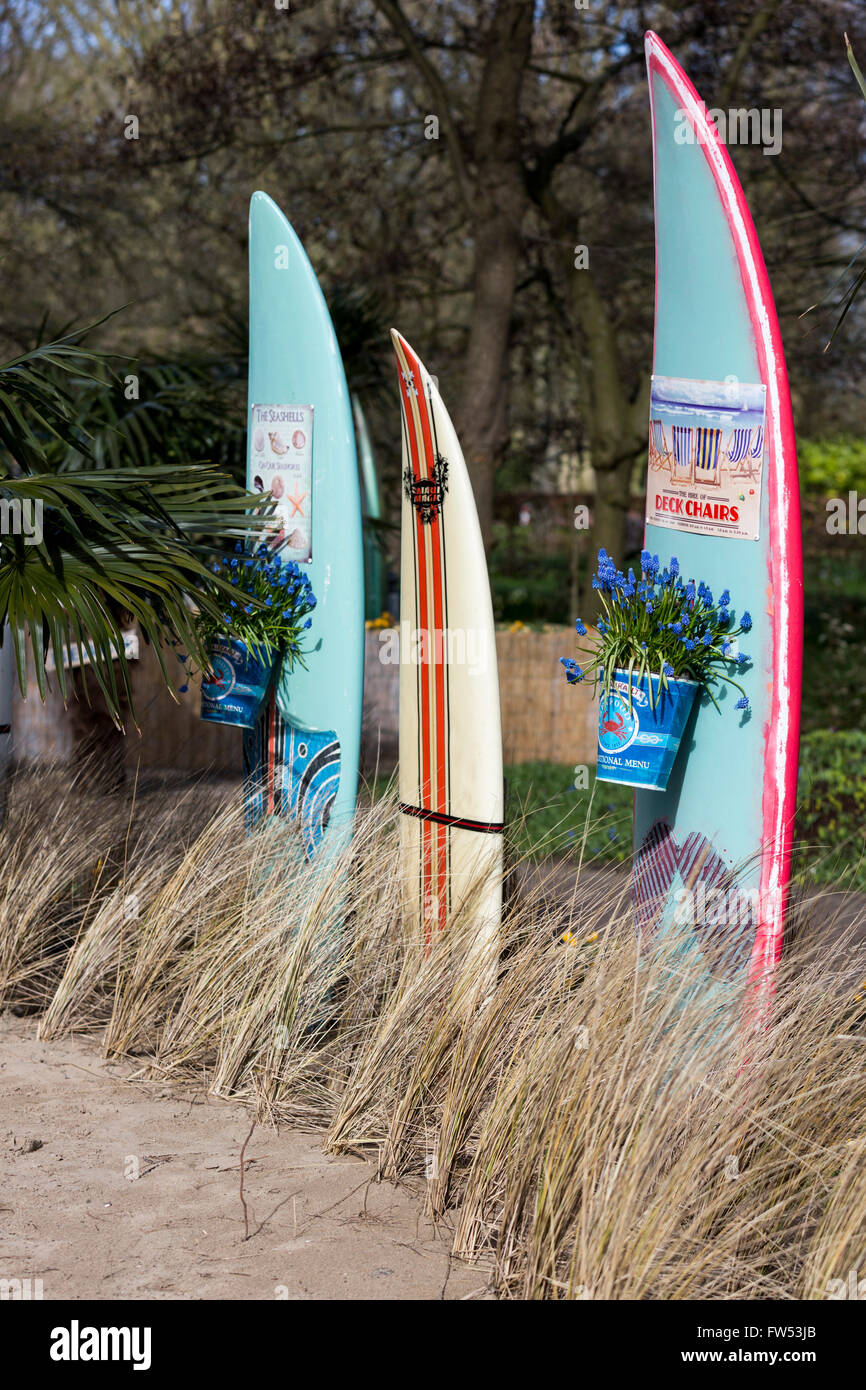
(281, 462)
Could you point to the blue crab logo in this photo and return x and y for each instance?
(617, 728)
(223, 681)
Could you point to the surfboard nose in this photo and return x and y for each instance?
(652, 44)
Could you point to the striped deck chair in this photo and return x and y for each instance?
(683, 462)
(660, 454)
(707, 442)
(745, 453)
(739, 447)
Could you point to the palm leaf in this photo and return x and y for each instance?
(122, 531)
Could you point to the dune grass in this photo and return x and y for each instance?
(594, 1123)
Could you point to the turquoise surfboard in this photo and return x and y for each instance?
(301, 760)
(723, 497)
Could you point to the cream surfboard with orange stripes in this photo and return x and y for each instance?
(450, 730)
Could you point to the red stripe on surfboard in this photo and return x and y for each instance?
(424, 674)
(780, 783)
(422, 453)
(429, 532)
(434, 529)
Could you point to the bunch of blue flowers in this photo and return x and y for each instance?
(659, 625)
(271, 605)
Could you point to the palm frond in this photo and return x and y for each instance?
(115, 529)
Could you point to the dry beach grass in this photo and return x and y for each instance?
(589, 1122)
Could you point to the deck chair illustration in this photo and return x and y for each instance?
(707, 456)
(745, 453)
(683, 470)
(660, 456)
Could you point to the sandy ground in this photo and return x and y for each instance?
(73, 1135)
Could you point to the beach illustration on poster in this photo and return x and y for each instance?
(706, 456)
(281, 463)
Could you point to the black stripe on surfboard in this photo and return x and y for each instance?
(458, 822)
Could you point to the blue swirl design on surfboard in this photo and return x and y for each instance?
(303, 781)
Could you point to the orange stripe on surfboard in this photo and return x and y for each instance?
(430, 583)
(423, 674)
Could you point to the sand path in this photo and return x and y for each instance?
(115, 1189)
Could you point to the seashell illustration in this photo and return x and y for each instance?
(297, 540)
(278, 487)
(277, 443)
(259, 441)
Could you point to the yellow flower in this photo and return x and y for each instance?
(384, 620)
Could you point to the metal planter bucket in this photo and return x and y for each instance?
(637, 747)
(239, 686)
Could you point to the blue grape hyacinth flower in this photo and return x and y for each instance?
(573, 673)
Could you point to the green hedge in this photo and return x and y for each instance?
(831, 816)
(829, 467)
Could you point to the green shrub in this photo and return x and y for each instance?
(831, 816)
(829, 467)
(835, 629)
(527, 584)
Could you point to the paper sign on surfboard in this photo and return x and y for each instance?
(451, 792)
(723, 496)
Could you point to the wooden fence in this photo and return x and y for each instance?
(542, 716)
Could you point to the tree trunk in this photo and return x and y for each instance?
(617, 428)
(498, 204)
(609, 521)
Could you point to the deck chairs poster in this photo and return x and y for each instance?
(706, 452)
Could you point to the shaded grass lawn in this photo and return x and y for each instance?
(547, 815)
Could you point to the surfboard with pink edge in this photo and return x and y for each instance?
(723, 497)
